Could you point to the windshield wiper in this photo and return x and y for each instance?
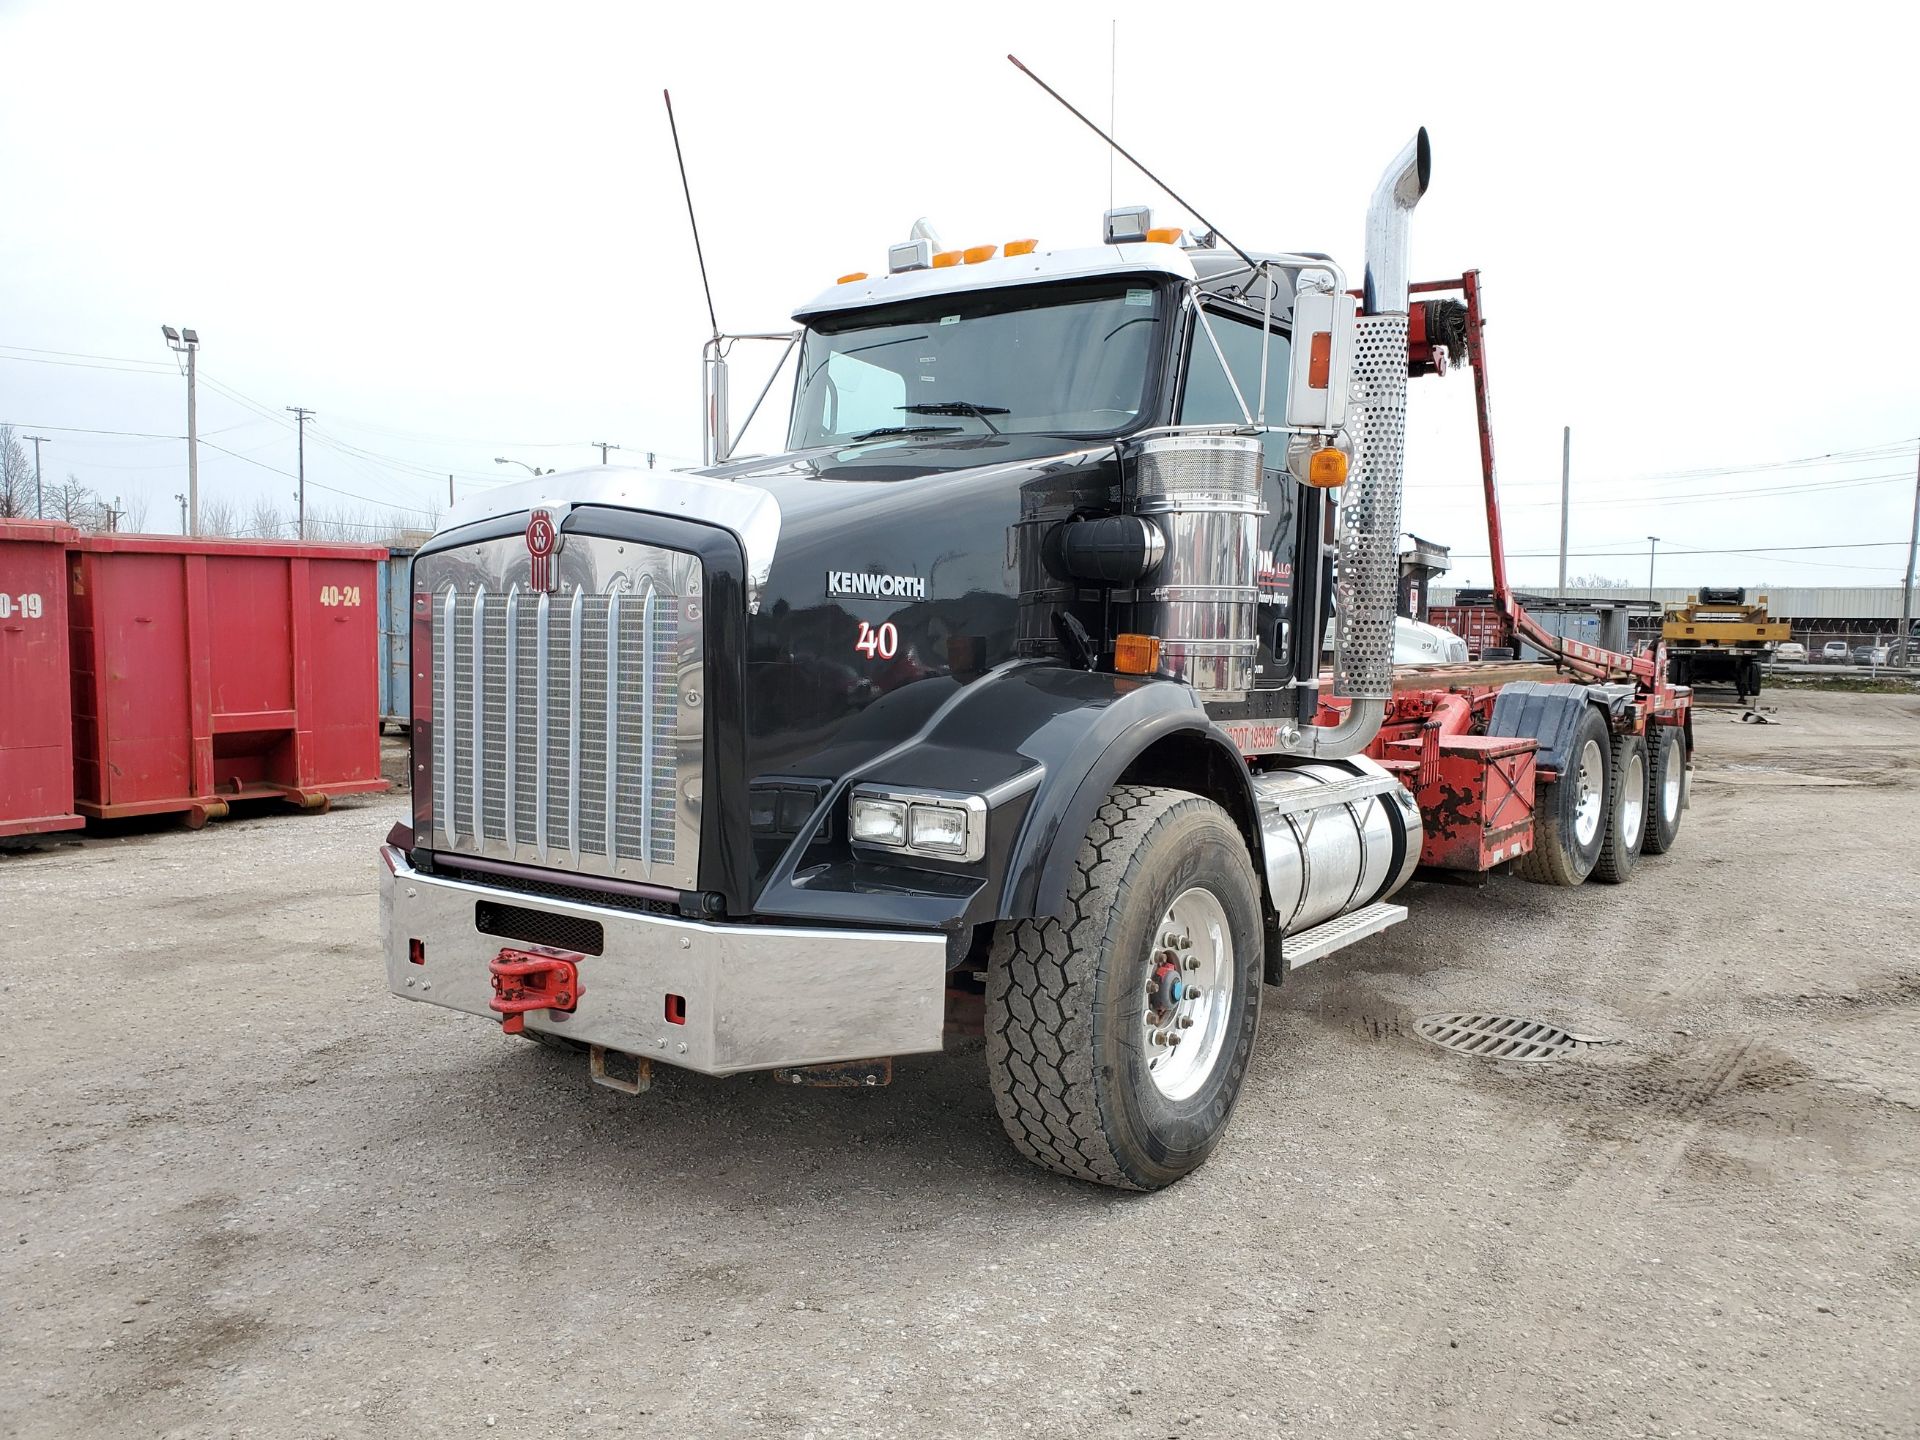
(885, 430)
(958, 407)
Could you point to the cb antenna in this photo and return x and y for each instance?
(687, 190)
(1128, 156)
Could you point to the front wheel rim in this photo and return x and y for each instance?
(1189, 996)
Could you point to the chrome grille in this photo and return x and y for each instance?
(566, 728)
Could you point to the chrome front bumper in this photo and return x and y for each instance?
(754, 997)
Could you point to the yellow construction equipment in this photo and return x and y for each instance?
(1718, 635)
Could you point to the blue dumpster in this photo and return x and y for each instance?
(395, 616)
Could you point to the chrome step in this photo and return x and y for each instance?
(1338, 933)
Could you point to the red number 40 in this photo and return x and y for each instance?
(883, 641)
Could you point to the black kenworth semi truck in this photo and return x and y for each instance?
(995, 702)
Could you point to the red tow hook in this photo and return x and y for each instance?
(537, 979)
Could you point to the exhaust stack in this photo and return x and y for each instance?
(1370, 512)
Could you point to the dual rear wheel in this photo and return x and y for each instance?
(1619, 795)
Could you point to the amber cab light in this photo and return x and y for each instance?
(1327, 468)
(1136, 654)
(849, 279)
(974, 254)
(1019, 247)
(1164, 235)
(946, 258)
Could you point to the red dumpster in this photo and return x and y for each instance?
(36, 726)
(206, 671)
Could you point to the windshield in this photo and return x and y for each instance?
(1070, 359)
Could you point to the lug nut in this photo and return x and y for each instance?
(1194, 992)
(1193, 962)
(1174, 1041)
(1186, 1022)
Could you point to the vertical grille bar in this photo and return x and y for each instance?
(647, 738)
(540, 730)
(613, 719)
(479, 759)
(573, 724)
(447, 723)
(513, 717)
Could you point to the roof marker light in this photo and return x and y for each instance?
(849, 279)
(1165, 235)
(1018, 247)
(946, 258)
(974, 254)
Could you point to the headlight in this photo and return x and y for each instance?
(935, 824)
(879, 822)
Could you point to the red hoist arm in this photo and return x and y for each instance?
(1583, 659)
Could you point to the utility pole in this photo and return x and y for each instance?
(1906, 595)
(39, 503)
(301, 415)
(449, 491)
(1653, 544)
(183, 511)
(649, 459)
(604, 447)
(1566, 485)
(187, 342)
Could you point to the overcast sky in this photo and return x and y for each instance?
(456, 232)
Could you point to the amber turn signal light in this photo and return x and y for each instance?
(1327, 468)
(1136, 654)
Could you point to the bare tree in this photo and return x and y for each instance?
(266, 521)
(133, 516)
(218, 517)
(16, 477)
(76, 503)
(1598, 582)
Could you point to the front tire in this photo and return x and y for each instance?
(1118, 1038)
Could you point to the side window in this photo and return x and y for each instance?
(1209, 399)
(862, 396)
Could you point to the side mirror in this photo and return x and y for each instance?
(1322, 354)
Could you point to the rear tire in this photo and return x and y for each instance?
(1569, 814)
(1626, 811)
(1077, 1009)
(1666, 788)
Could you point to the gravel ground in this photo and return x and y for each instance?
(247, 1193)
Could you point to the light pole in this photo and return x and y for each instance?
(183, 511)
(604, 447)
(1653, 543)
(301, 415)
(39, 503)
(530, 469)
(187, 342)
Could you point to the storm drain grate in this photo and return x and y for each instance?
(1496, 1037)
